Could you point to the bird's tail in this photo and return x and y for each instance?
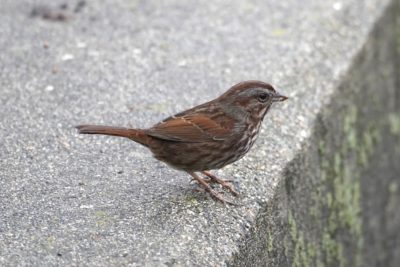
(136, 135)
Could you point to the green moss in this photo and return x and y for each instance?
(349, 127)
(286, 246)
(278, 32)
(368, 140)
(321, 147)
(270, 243)
(335, 199)
(102, 219)
(337, 165)
(292, 226)
(393, 187)
(333, 250)
(313, 210)
(191, 200)
(312, 251)
(160, 107)
(394, 124)
(49, 242)
(328, 200)
(342, 199)
(398, 34)
(393, 200)
(304, 254)
(350, 119)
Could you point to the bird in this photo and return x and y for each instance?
(206, 137)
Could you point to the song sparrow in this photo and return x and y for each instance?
(206, 137)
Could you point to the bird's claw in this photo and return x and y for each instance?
(205, 185)
(224, 183)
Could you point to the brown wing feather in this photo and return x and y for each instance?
(189, 128)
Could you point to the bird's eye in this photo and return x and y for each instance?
(263, 97)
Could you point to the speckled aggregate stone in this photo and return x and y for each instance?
(77, 200)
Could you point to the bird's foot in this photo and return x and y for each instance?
(214, 194)
(224, 183)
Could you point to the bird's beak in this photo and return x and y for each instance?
(279, 98)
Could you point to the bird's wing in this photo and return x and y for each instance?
(189, 128)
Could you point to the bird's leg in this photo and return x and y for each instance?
(207, 188)
(223, 183)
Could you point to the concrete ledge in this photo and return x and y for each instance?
(321, 188)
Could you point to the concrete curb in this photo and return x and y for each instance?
(310, 193)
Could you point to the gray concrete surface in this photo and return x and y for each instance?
(99, 201)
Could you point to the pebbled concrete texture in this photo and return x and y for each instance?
(320, 187)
